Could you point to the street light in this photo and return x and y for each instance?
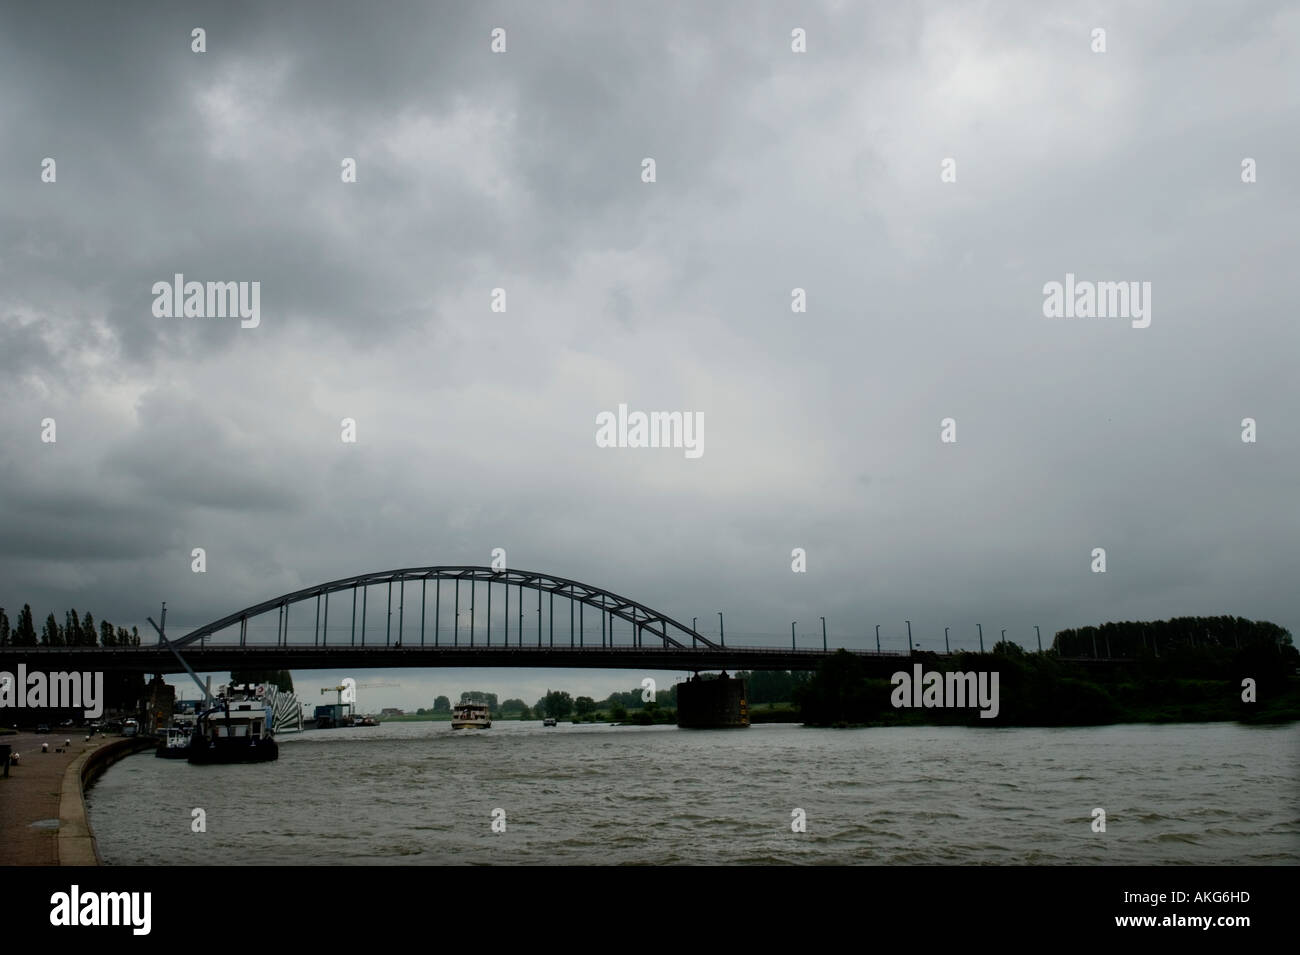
(909, 636)
(981, 626)
(945, 641)
(792, 623)
(823, 634)
(877, 638)
(1040, 639)
(722, 634)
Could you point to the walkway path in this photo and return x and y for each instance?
(29, 798)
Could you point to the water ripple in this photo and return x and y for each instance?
(418, 794)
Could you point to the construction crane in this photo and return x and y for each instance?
(349, 684)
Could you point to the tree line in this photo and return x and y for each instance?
(1136, 638)
(1191, 669)
(122, 691)
(75, 631)
(562, 705)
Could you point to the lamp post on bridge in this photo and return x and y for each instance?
(877, 638)
(1040, 638)
(909, 637)
(694, 630)
(823, 634)
(722, 633)
(792, 623)
(1004, 636)
(981, 626)
(946, 648)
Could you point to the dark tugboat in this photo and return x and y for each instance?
(236, 729)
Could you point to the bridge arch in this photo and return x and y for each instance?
(644, 620)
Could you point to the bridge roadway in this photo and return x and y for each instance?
(213, 658)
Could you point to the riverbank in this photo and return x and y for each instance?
(42, 805)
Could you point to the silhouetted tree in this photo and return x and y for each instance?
(72, 628)
(51, 635)
(25, 633)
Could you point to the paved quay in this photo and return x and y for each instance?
(42, 815)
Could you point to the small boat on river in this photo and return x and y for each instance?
(175, 743)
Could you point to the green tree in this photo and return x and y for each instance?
(105, 633)
(558, 704)
(773, 686)
(87, 630)
(584, 705)
(442, 705)
(513, 706)
(4, 628)
(839, 692)
(525, 714)
(617, 712)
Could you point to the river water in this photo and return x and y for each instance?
(419, 793)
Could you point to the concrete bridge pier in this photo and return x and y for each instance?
(708, 702)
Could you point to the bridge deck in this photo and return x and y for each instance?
(212, 658)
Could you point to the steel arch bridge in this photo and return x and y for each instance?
(660, 628)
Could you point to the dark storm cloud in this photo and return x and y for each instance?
(774, 171)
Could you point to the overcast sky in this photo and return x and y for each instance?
(775, 170)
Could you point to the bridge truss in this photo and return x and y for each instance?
(645, 625)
